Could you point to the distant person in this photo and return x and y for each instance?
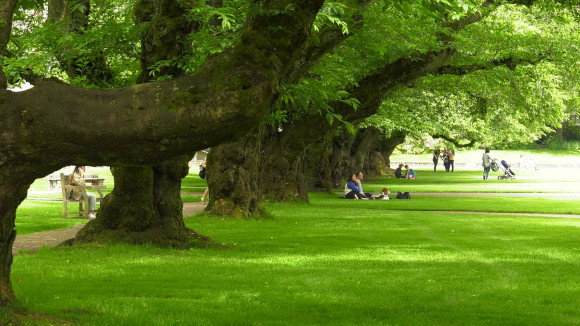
(486, 162)
(410, 173)
(446, 159)
(351, 191)
(77, 178)
(359, 177)
(436, 156)
(206, 192)
(451, 156)
(399, 172)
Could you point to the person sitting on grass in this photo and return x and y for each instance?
(398, 172)
(384, 194)
(410, 173)
(359, 177)
(351, 191)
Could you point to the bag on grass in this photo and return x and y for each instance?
(404, 195)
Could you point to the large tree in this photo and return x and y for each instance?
(44, 129)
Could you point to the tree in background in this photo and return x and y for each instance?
(425, 73)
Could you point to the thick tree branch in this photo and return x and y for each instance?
(164, 119)
(510, 63)
(453, 141)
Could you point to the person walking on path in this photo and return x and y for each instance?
(436, 155)
(486, 162)
(451, 155)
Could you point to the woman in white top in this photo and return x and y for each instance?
(486, 162)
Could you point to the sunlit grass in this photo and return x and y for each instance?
(317, 264)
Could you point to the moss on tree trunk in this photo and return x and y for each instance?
(145, 207)
(232, 171)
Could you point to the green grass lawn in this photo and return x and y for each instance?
(327, 262)
(549, 180)
(331, 261)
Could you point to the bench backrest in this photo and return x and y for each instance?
(63, 183)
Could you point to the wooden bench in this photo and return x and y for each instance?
(53, 181)
(83, 211)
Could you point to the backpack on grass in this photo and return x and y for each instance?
(404, 195)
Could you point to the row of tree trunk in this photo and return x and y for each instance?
(269, 165)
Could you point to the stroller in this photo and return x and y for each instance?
(508, 173)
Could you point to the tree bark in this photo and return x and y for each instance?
(232, 171)
(157, 213)
(145, 207)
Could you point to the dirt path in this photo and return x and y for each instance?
(35, 241)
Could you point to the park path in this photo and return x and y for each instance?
(37, 240)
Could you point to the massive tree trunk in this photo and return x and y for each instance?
(281, 176)
(144, 207)
(240, 192)
(157, 215)
(232, 171)
(145, 124)
(12, 192)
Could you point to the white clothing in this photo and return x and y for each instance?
(486, 160)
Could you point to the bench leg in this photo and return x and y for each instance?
(64, 209)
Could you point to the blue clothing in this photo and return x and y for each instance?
(352, 186)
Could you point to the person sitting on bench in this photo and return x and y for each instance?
(77, 178)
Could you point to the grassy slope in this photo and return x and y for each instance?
(327, 262)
